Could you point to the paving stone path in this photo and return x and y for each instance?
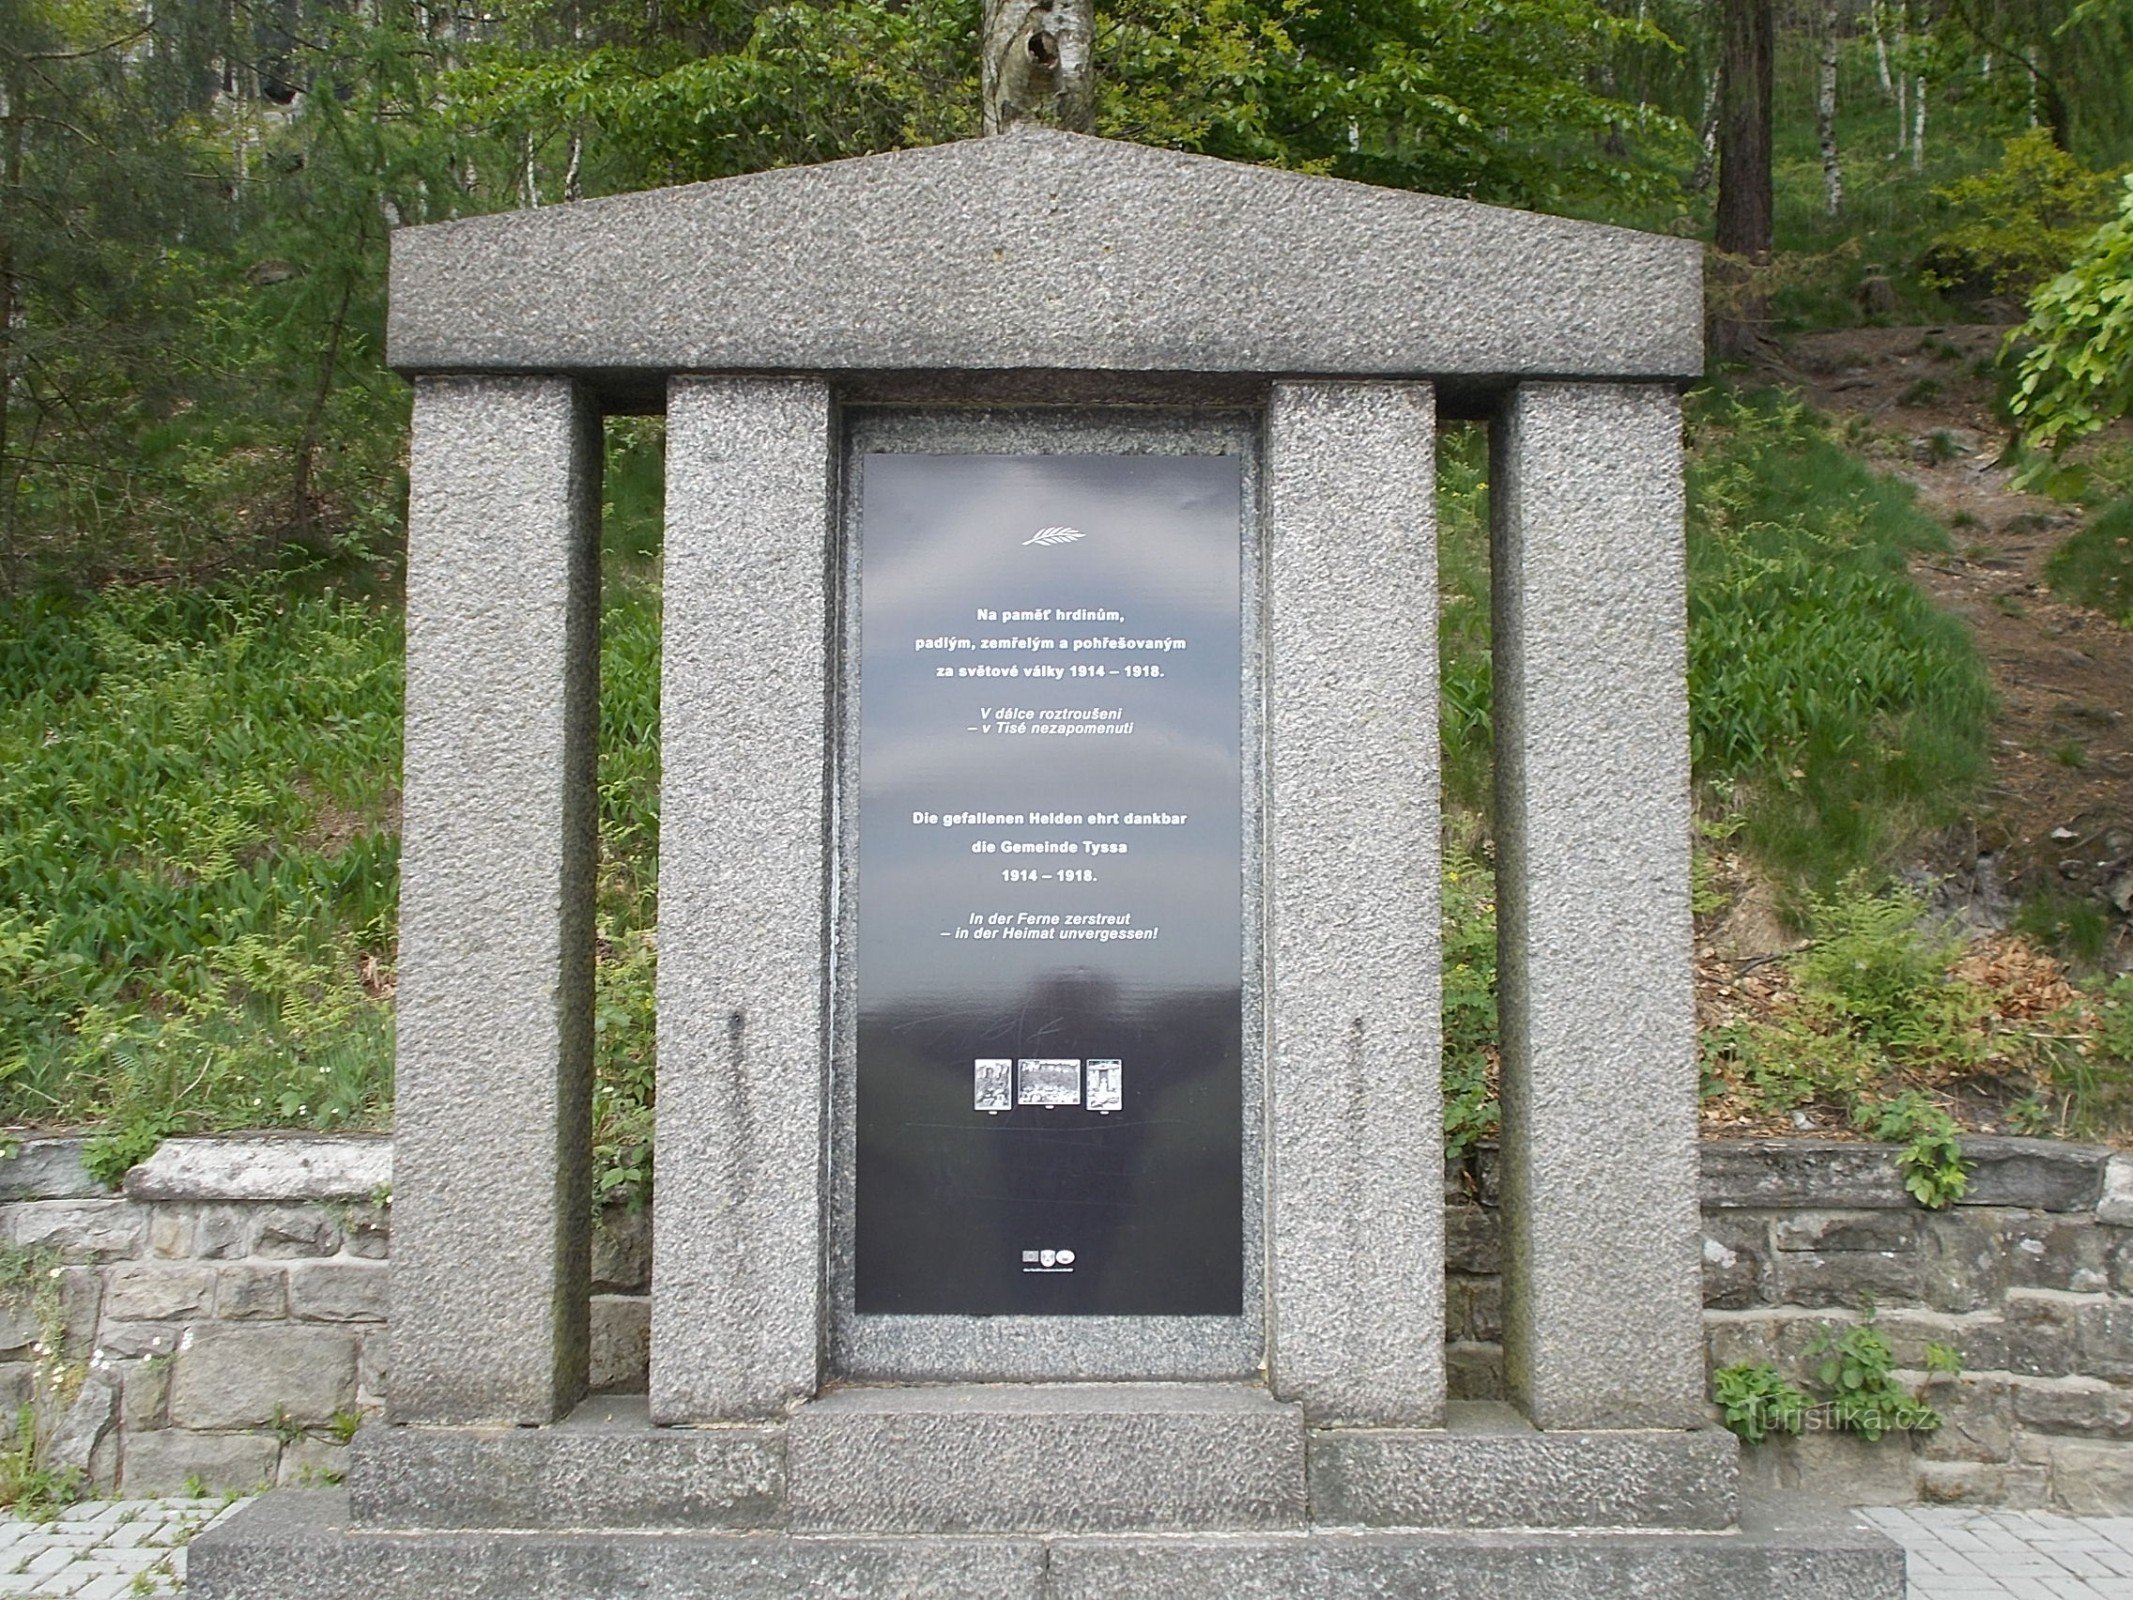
(107, 1549)
(104, 1549)
(2011, 1555)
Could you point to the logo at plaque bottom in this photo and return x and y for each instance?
(1047, 1261)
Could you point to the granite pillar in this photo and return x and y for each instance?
(492, 1164)
(1598, 1017)
(738, 1249)
(1354, 943)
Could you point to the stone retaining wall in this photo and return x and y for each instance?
(223, 1319)
(2029, 1278)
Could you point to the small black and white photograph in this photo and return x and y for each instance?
(1044, 1081)
(1106, 1088)
(993, 1087)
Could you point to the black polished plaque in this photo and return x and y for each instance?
(1050, 936)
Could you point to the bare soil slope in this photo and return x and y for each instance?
(2059, 812)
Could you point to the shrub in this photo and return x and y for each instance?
(2018, 224)
(2074, 361)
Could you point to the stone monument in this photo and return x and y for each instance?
(1049, 1198)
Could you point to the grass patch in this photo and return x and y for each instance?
(199, 853)
(2095, 567)
(198, 860)
(1831, 704)
(2077, 925)
(1843, 712)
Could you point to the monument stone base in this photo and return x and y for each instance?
(1046, 1490)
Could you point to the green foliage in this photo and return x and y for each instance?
(1856, 1368)
(1873, 998)
(1849, 711)
(2095, 566)
(1839, 708)
(627, 913)
(1933, 1166)
(28, 1485)
(31, 1282)
(1471, 1113)
(1757, 1401)
(2019, 223)
(2073, 358)
(1891, 221)
(1497, 102)
(192, 253)
(197, 863)
(1786, 1061)
(2115, 1032)
(1873, 971)
(195, 264)
(1465, 685)
(198, 846)
(2082, 1070)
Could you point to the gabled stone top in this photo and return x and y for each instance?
(1043, 250)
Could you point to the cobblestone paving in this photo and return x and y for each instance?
(2011, 1555)
(104, 1549)
(108, 1549)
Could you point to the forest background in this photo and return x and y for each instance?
(202, 493)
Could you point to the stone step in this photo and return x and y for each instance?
(1065, 1457)
(606, 1466)
(299, 1545)
(1039, 1458)
(1490, 1468)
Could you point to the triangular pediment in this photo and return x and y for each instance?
(1043, 250)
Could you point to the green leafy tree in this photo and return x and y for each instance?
(2074, 369)
(1495, 101)
(2072, 68)
(193, 208)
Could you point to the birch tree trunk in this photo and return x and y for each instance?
(1706, 138)
(1038, 64)
(1918, 123)
(1881, 48)
(1826, 113)
(1900, 89)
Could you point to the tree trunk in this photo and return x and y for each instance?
(12, 121)
(303, 497)
(1910, 85)
(1881, 49)
(1038, 64)
(1826, 113)
(1706, 138)
(1746, 205)
(1746, 202)
(1918, 123)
